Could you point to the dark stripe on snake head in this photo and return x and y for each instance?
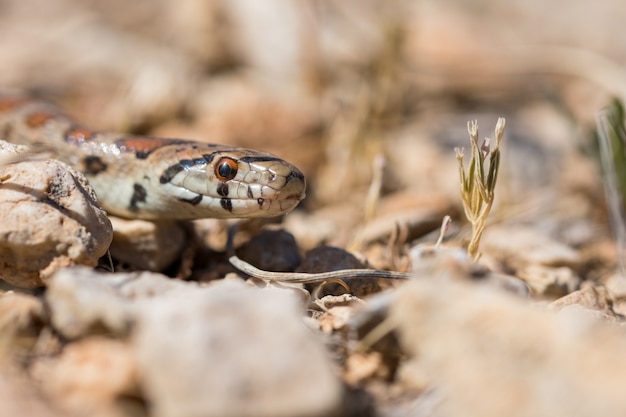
(93, 165)
(193, 201)
(227, 204)
(222, 189)
(249, 159)
(139, 196)
(171, 171)
(38, 119)
(250, 195)
(208, 157)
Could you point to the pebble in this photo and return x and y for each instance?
(518, 247)
(82, 301)
(146, 245)
(272, 250)
(330, 258)
(550, 281)
(591, 298)
(90, 377)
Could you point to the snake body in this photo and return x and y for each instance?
(157, 178)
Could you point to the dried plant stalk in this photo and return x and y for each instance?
(477, 188)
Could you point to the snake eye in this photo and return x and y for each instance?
(226, 169)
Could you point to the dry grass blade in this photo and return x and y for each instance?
(612, 140)
(478, 189)
(303, 277)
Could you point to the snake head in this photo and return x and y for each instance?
(221, 182)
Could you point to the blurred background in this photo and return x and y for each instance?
(330, 84)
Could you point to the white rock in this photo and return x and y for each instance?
(233, 350)
(82, 301)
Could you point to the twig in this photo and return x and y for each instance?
(303, 277)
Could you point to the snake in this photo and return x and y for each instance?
(152, 178)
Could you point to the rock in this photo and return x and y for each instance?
(272, 250)
(82, 301)
(593, 298)
(20, 398)
(151, 246)
(490, 354)
(519, 247)
(550, 281)
(20, 315)
(329, 258)
(449, 263)
(90, 377)
(49, 219)
(233, 350)
(228, 349)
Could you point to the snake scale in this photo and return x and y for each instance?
(151, 178)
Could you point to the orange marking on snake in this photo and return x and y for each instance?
(79, 135)
(139, 144)
(144, 146)
(39, 119)
(12, 103)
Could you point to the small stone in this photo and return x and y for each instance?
(447, 263)
(20, 314)
(89, 377)
(233, 350)
(20, 398)
(329, 258)
(49, 219)
(272, 250)
(550, 281)
(82, 302)
(518, 247)
(594, 298)
(151, 246)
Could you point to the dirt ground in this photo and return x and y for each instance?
(369, 99)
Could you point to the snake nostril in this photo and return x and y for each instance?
(295, 175)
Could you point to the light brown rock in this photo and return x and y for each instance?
(592, 298)
(518, 247)
(48, 219)
(20, 314)
(272, 250)
(233, 350)
(90, 377)
(489, 354)
(82, 301)
(20, 398)
(146, 245)
(550, 281)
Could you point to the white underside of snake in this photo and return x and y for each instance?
(155, 178)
